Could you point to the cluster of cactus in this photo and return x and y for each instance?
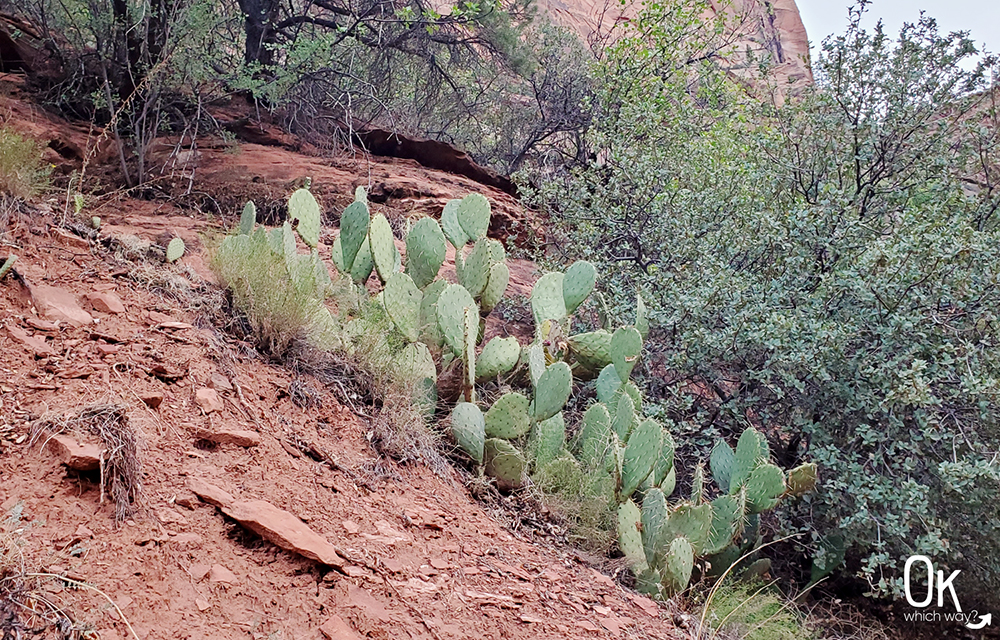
(307, 272)
(665, 543)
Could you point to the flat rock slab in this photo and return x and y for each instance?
(37, 346)
(210, 493)
(106, 302)
(337, 629)
(284, 530)
(208, 400)
(75, 455)
(58, 305)
(231, 436)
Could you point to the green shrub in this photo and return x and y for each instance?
(750, 611)
(22, 172)
(823, 270)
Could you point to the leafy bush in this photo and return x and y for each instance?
(826, 270)
(22, 172)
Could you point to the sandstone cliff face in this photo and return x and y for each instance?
(772, 29)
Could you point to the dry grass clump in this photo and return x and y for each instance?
(22, 172)
(121, 466)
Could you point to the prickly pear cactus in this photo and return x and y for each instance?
(654, 517)
(764, 488)
(592, 350)
(547, 302)
(469, 429)
(693, 523)
(595, 436)
(430, 328)
(175, 249)
(508, 417)
(608, 384)
(452, 227)
(677, 567)
(496, 285)
(551, 391)
(498, 357)
(474, 215)
(548, 439)
(504, 462)
(630, 536)
(248, 219)
(751, 452)
(451, 306)
(802, 479)
(577, 284)
(641, 453)
(363, 265)
(425, 251)
(402, 301)
(727, 522)
(665, 462)
(354, 223)
(475, 269)
(626, 345)
(302, 206)
(383, 247)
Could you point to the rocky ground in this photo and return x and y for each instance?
(263, 510)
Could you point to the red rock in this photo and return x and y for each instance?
(37, 346)
(73, 454)
(82, 532)
(107, 349)
(220, 382)
(210, 493)
(284, 530)
(71, 239)
(156, 317)
(336, 629)
(208, 400)
(199, 571)
(153, 399)
(192, 539)
(106, 302)
(202, 604)
(41, 325)
(219, 573)
(227, 436)
(59, 305)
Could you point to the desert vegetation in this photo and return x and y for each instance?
(760, 366)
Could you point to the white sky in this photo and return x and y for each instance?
(980, 17)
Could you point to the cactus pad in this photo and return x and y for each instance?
(452, 228)
(402, 301)
(592, 350)
(496, 285)
(751, 452)
(665, 463)
(721, 462)
(302, 206)
(608, 383)
(469, 429)
(641, 319)
(727, 522)
(654, 516)
(175, 249)
(595, 435)
(548, 439)
(498, 357)
(474, 215)
(363, 265)
(451, 306)
(475, 270)
(383, 246)
(764, 488)
(630, 536)
(641, 452)
(802, 479)
(578, 283)
(626, 345)
(505, 463)
(552, 391)
(353, 231)
(689, 522)
(248, 219)
(425, 251)
(677, 566)
(508, 417)
(430, 330)
(547, 301)
(698, 485)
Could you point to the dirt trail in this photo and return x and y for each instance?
(421, 559)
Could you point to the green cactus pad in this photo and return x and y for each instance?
(669, 482)
(626, 346)
(721, 463)
(678, 563)
(698, 485)
(498, 357)
(641, 319)
(625, 417)
(751, 452)
(430, 330)
(475, 271)
(452, 227)
(402, 302)
(630, 536)
(654, 516)
(764, 488)
(547, 301)
(727, 523)
(354, 224)
(363, 265)
(302, 206)
(496, 285)
(802, 479)
(360, 195)
(535, 356)
(474, 215)
(548, 439)
(608, 383)
(175, 249)
(469, 429)
(631, 390)
(497, 253)
(665, 463)
(249, 219)
(595, 435)
(592, 350)
(689, 522)
(505, 463)
(337, 256)
(641, 452)
(383, 246)
(451, 306)
(508, 417)
(577, 284)
(552, 391)
(471, 329)
(425, 251)
(8, 264)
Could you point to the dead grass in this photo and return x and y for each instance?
(22, 172)
(121, 468)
